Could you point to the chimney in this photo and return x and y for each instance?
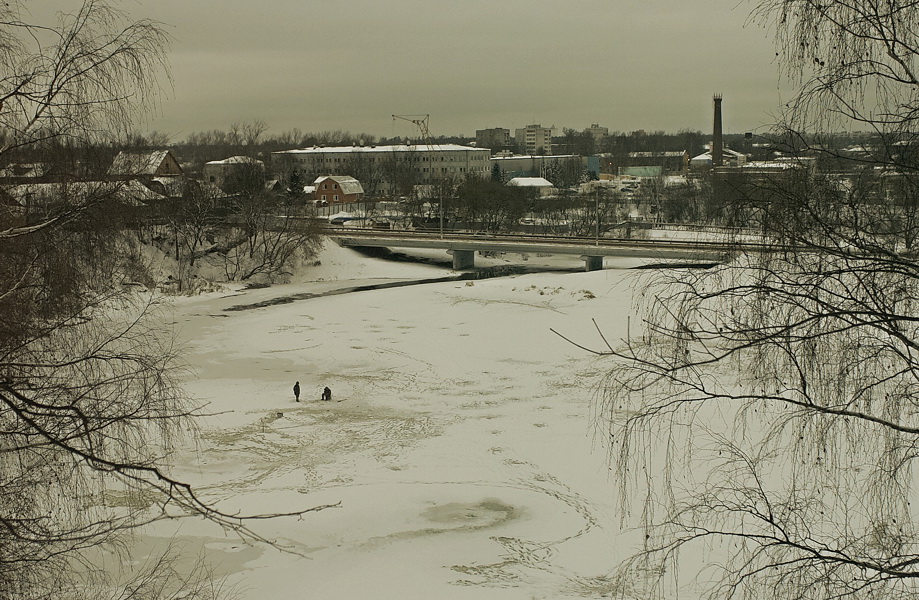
(717, 139)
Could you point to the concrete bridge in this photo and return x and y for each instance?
(463, 246)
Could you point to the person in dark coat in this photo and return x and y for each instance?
(327, 394)
(297, 391)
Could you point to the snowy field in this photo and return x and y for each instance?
(461, 446)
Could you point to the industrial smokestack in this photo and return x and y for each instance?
(717, 138)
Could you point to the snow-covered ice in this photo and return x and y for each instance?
(461, 447)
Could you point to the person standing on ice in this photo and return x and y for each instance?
(327, 394)
(297, 391)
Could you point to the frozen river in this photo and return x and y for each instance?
(461, 448)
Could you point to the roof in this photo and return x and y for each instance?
(657, 154)
(140, 163)
(129, 192)
(173, 187)
(421, 147)
(236, 160)
(536, 156)
(725, 152)
(530, 182)
(24, 170)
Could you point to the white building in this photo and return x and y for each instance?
(423, 165)
(540, 184)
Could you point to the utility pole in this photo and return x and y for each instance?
(421, 121)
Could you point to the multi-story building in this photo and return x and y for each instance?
(495, 139)
(534, 139)
(598, 132)
(388, 170)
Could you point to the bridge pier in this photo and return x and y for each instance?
(593, 263)
(463, 259)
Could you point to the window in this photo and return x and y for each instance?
(323, 198)
(335, 197)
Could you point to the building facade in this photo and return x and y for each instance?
(534, 139)
(598, 132)
(388, 170)
(219, 171)
(533, 165)
(495, 139)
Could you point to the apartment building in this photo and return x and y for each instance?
(495, 139)
(534, 139)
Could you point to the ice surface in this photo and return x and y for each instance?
(461, 442)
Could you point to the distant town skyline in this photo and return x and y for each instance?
(469, 64)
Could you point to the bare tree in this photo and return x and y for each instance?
(767, 415)
(270, 228)
(285, 235)
(89, 404)
(194, 216)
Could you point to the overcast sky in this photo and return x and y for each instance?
(350, 64)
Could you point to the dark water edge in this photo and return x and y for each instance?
(487, 273)
(477, 274)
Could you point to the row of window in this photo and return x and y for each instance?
(421, 158)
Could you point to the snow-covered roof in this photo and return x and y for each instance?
(770, 165)
(530, 182)
(656, 154)
(236, 160)
(143, 163)
(130, 192)
(536, 156)
(381, 149)
(725, 152)
(173, 187)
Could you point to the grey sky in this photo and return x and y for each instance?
(350, 64)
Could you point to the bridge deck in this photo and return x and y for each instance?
(660, 249)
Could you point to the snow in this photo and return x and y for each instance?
(530, 182)
(419, 147)
(461, 448)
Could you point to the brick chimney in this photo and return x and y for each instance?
(717, 137)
